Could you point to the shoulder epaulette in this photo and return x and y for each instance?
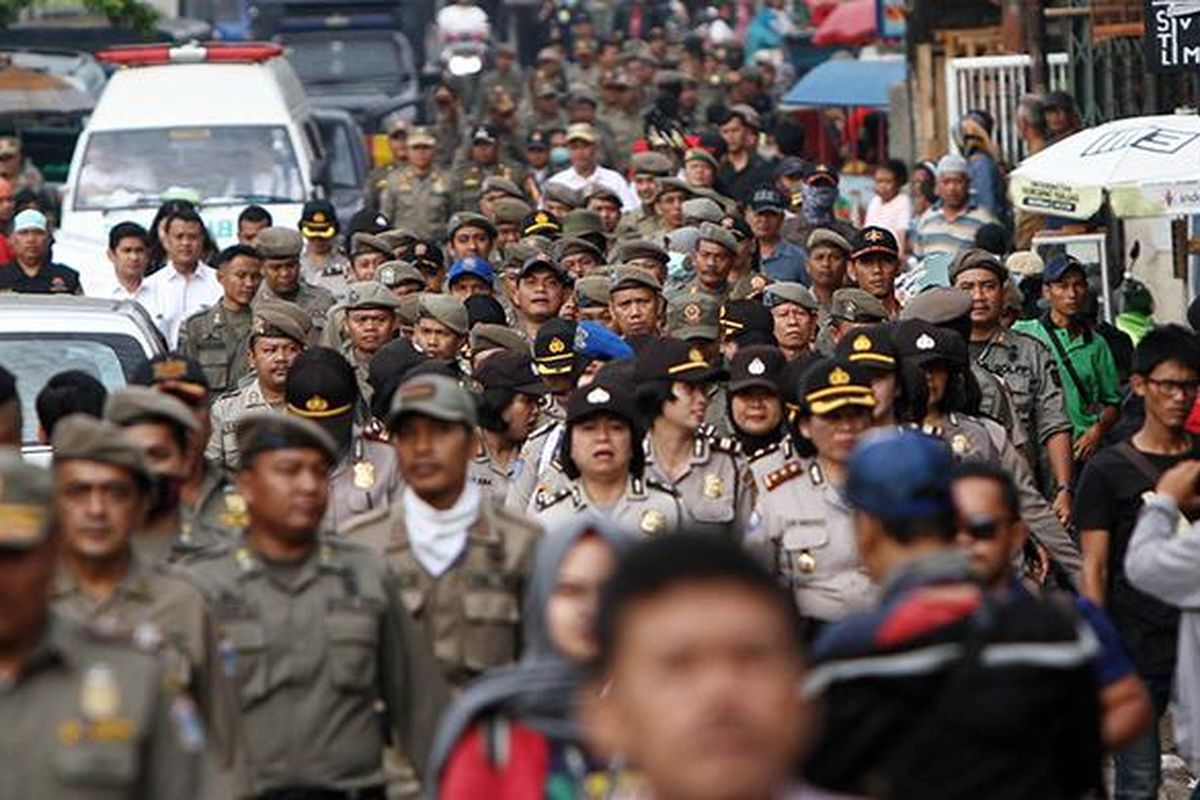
(775, 479)
(765, 451)
(544, 497)
(541, 431)
(662, 487)
(726, 444)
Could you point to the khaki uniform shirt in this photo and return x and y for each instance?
(222, 449)
(419, 203)
(333, 274)
(806, 530)
(218, 513)
(539, 467)
(322, 652)
(1028, 369)
(217, 339)
(376, 185)
(642, 223)
(164, 613)
(715, 491)
(647, 508)
(91, 717)
(996, 403)
(466, 184)
(487, 473)
(364, 480)
(313, 299)
(471, 613)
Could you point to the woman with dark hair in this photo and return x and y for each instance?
(512, 734)
(755, 399)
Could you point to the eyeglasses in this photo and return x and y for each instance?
(1175, 387)
(981, 527)
(400, 134)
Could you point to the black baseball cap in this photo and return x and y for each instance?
(874, 239)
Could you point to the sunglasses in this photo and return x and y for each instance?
(401, 134)
(981, 527)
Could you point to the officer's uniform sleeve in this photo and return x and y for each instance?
(222, 712)
(1050, 411)
(177, 763)
(413, 689)
(214, 451)
(1108, 380)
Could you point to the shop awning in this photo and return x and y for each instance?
(845, 82)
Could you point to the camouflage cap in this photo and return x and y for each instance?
(279, 242)
(371, 294)
(447, 310)
(694, 316)
(82, 437)
(430, 395)
(261, 432)
(134, 405)
(25, 495)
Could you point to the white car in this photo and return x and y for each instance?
(226, 124)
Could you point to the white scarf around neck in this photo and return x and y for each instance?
(439, 537)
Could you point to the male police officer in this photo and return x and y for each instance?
(322, 650)
(216, 336)
(461, 560)
(418, 195)
(280, 250)
(82, 714)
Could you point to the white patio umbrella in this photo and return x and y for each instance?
(1145, 166)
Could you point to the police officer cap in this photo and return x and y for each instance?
(674, 359)
(594, 342)
(718, 235)
(470, 219)
(25, 495)
(870, 347)
(439, 397)
(279, 242)
(776, 294)
(490, 336)
(512, 371)
(499, 183)
(630, 277)
(543, 261)
(422, 252)
(397, 273)
(900, 475)
(261, 432)
(855, 305)
(641, 248)
(134, 405)
(320, 385)
(83, 437)
(938, 305)
(563, 194)
(172, 371)
(602, 396)
(554, 347)
(447, 310)
(370, 294)
(541, 223)
(758, 366)
(367, 221)
(483, 308)
(702, 209)
(747, 319)
(392, 362)
(975, 258)
(593, 291)
(397, 238)
(651, 163)
(923, 343)
(510, 211)
(831, 383)
(873, 240)
(280, 319)
(829, 238)
(368, 243)
(694, 316)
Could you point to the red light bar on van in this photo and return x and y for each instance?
(191, 53)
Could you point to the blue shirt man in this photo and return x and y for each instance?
(779, 259)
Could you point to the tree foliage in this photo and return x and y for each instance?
(131, 14)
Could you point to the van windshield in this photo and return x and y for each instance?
(234, 163)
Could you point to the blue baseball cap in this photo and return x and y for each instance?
(897, 474)
(1057, 268)
(595, 342)
(479, 267)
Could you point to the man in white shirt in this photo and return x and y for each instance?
(585, 169)
(129, 254)
(185, 284)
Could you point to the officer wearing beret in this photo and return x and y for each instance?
(801, 521)
(1024, 363)
(941, 361)
(103, 483)
(673, 381)
(84, 712)
(461, 560)
(419, 193)
(322, 387)
(510, 393)
(216, 336)
(370, 323)
(167, 432)
(280, 250)
(280, 332)
(603, 461)
(326, 660)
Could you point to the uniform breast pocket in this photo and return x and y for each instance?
(246, 659)
(97, 769)
(491, 637)
(353, 647)
(804, 543)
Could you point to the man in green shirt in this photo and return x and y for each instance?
(1089, 373)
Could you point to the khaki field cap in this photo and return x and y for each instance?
(25, 492)
(371, 294)
(84, 438)
(277, 242)
(437, 396)
(135, 404)
(263, 431)
(279, 318)
(447, 310)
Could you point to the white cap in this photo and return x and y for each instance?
(952, 164)
(1025, 263)
(28, 219)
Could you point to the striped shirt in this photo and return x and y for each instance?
(936, 233)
